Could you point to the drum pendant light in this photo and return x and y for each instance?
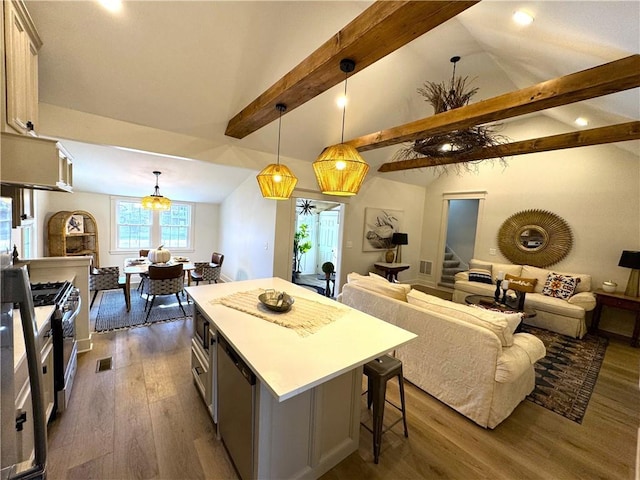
(277, 181)
(155, 201)
(340, 169)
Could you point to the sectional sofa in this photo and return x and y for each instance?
(466, 357)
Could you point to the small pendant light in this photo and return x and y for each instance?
(277, 181)
(340, 169)
(156, 201)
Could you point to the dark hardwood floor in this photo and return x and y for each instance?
(144, 420)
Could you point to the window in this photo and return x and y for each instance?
(136, 228)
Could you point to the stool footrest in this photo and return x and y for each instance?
(398, 420)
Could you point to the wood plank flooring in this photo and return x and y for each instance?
(144, 420)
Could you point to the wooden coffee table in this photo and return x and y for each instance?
(489, 303)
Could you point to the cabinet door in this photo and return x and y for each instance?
(47, 378)
(25, 436)
(21, 70)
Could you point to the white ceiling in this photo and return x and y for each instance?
(188, 67)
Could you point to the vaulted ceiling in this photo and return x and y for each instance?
(190, 67)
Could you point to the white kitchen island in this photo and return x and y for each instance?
(306, 401)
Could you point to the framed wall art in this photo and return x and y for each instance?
(379, 226)
(75, 224)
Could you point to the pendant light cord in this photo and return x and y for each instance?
(279, 128)
(344, 106)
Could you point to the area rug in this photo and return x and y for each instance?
(566, 377)
(113, 315)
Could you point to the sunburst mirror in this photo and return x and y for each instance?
(535, 237)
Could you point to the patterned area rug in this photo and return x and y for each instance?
(565, 378)
(113, 315)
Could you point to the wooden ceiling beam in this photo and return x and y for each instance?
(381, 29)
(612, 77)
(582, 138)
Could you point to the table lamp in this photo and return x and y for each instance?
(631, 259)
(399, 239)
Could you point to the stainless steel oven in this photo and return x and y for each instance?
(66, 299)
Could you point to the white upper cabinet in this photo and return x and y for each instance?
(22, 43)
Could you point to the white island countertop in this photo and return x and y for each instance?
(285, 362)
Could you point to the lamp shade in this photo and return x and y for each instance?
(400, 239)
(340, 170)
(156, 202)
(630, 259)
(276, 182)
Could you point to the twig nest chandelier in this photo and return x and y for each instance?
(443, 98)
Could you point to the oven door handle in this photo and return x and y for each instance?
(71, 315)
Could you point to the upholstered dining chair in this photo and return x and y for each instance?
(163, 280)
(143, 276)
(105, 278)
(208, 271)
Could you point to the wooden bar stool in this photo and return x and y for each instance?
(378, 372)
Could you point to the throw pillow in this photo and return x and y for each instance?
(480, 272)
(377, 277)
(393, 290)
(560, 286)
(521, 284)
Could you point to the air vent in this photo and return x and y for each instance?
(425, 267)
(104, 364)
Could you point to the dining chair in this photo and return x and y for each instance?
(143, 276)
(105, 278)
(163, 280)
(208, 271)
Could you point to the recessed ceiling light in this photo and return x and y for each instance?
(111, 5)
(522, 18)
(581, 121)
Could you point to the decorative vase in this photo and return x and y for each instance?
(388, 256)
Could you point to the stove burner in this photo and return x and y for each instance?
(50, 293)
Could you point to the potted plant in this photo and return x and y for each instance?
(300, 247)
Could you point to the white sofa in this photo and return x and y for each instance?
(460, 363)
(566, 317)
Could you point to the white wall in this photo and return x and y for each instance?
(382, 193)
(206, 218)
(247, 233)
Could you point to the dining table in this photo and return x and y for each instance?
(138, 265)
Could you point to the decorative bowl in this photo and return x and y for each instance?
(609, 286)
(276, 301)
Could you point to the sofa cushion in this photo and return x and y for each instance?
(480, 273)
(556, 306)
(393, 290)
(521, 284)
(503, 325)
(560, 286)
(541, 274)
(421, 299)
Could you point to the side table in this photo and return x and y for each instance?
(391, 270)
(617, 300)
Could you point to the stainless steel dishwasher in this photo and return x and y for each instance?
(236, 395)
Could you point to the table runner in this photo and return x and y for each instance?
(305, 316)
